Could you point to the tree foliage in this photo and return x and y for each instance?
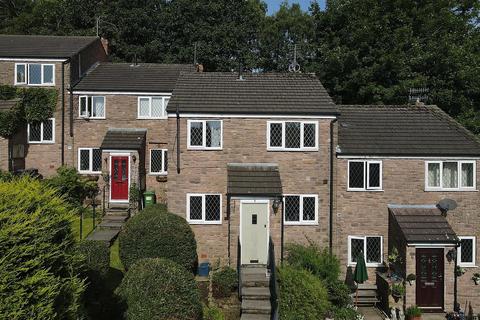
(39, 264)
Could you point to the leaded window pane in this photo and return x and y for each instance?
(35, 74)
(48, 130)
(84, 107)
(356, 175)
(434, 175)
(21, 73)
(292, 208)
(98, 107)
(292, 135)
(165, 161)
(450, 175)
(48, 74)
(466, 250)
(467, 174)
(374, 254)
(156, 161)
(275, 135)
(213, 134)
(356, 248)
(309, 135)
(144, 107)
(309, 208)
(196, 133)
(85, 160)
(157, 107)
(212, 208)
(35, 132)
(196, 208)
(96, 160)
(374, 175)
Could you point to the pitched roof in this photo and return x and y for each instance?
(423, 224)
(407, 130)
(264, 93)
(143, 77)
(35, 46)
(124, 139)
(253, 179)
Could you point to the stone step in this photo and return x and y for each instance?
(256, 293)
(116, 225)
(365, 293)
(366, 301)
(256, 306)
(246, 271)
(255, 281)
(115, 217)
(250, 316)
(106, 235)
(367, 286)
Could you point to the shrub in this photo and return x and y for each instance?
(224, 282)
(413, 311)
(212, 313)
(398, 290)
(39, 256)
(156, 233)
(345, 313)
(71, 185)
(97, 258)
(339, 293)
(301, 295)
(159, 289)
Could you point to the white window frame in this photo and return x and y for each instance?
(301, 221)
(459, 178)
(366, 176)
(42, 80)
(164, 116)
(364, 238)
(302, 125)
(474, 252)
(90, 98)
(204, 138)
(163, 172)
(90, 165)
(41, 133)
(203, 220)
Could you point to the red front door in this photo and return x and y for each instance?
(119, 178)
(430, 278)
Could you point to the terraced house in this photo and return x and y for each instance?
(256, 161)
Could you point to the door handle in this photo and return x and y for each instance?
(430, 284)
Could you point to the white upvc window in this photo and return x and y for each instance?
(371, 247)
(89, 160)
(35, 74)
(466, 253)
(158, 161)
(364, 175)
(152, 107)
(91, 107)
(41, 132)
(300, 209)
(292, 135)
(205, 134)
(204, 208)
(450, 175)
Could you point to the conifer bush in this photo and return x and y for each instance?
(39, 258)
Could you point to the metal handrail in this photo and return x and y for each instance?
(239, 267)
(273, 284)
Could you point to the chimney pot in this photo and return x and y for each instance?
(199, 67)
(105, 45)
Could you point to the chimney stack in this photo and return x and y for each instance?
(105, 45)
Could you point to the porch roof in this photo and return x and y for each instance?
(124, 139)
(423, 224)
(254, 179)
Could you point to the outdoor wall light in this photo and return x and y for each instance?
(451, 255)
(275, 205)
(134, 158)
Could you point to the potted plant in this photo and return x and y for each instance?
(413, 313)
(476, 278)
(398, 291)
(411, 277)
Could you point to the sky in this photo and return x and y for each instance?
(273, 5)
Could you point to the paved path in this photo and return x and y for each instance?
(370, 313)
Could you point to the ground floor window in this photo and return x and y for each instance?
(204, 208)
(301, 209)
(41, 132)
(158, 161)
(466, 251)
(89, 160)
(371, 247)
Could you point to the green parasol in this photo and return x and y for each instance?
(360, 274)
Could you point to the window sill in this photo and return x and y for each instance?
(205, 223)
(162, 118)
(90, 118)
(369, 265)
(36, 142)
(38, 85)
(467, 265)
(300, 223)
(451, 190)
(90, 172)
(204, 149)
(365, 190)
(292, 150)
(159, 174)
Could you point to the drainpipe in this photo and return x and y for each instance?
(178, 141)
(282, 231)
(63, 112)
(229, 228)
(332, 151)
(456, 306)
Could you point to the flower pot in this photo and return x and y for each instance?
(415, 318)
(396, 297)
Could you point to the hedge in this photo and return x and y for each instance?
(156, 233)
(40, 259)
(97, 258)
(160, 289)
(224, 282)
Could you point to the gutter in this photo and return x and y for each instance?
(331, 187)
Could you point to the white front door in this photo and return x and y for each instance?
(254, 232)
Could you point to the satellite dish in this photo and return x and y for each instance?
(447, 205)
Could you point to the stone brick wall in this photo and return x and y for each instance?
(244, 141)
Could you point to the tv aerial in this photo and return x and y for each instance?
(294, 66)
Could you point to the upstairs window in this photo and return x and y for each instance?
(205, 134)
(92, 107)
(364, 175)
(292, 136)
(41, 132)
(89, 160)
(450, 175)
(152, 107)
(371, 247)
(301, 209)
(35, 74)
(158, 161)
(204, 208)
(466, 252)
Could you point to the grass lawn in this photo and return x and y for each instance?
(115, 262)
(87, 227)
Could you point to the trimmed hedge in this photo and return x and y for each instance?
(156, 233)
(224, 282)
(301, 295)
(160, 289)
(97, 258)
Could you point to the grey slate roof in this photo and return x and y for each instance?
(264, 93)
(124, 139)
(143, 77)
(423, 224)
(407, 130)
(253, 179)
(7, 105)
(35, 46)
